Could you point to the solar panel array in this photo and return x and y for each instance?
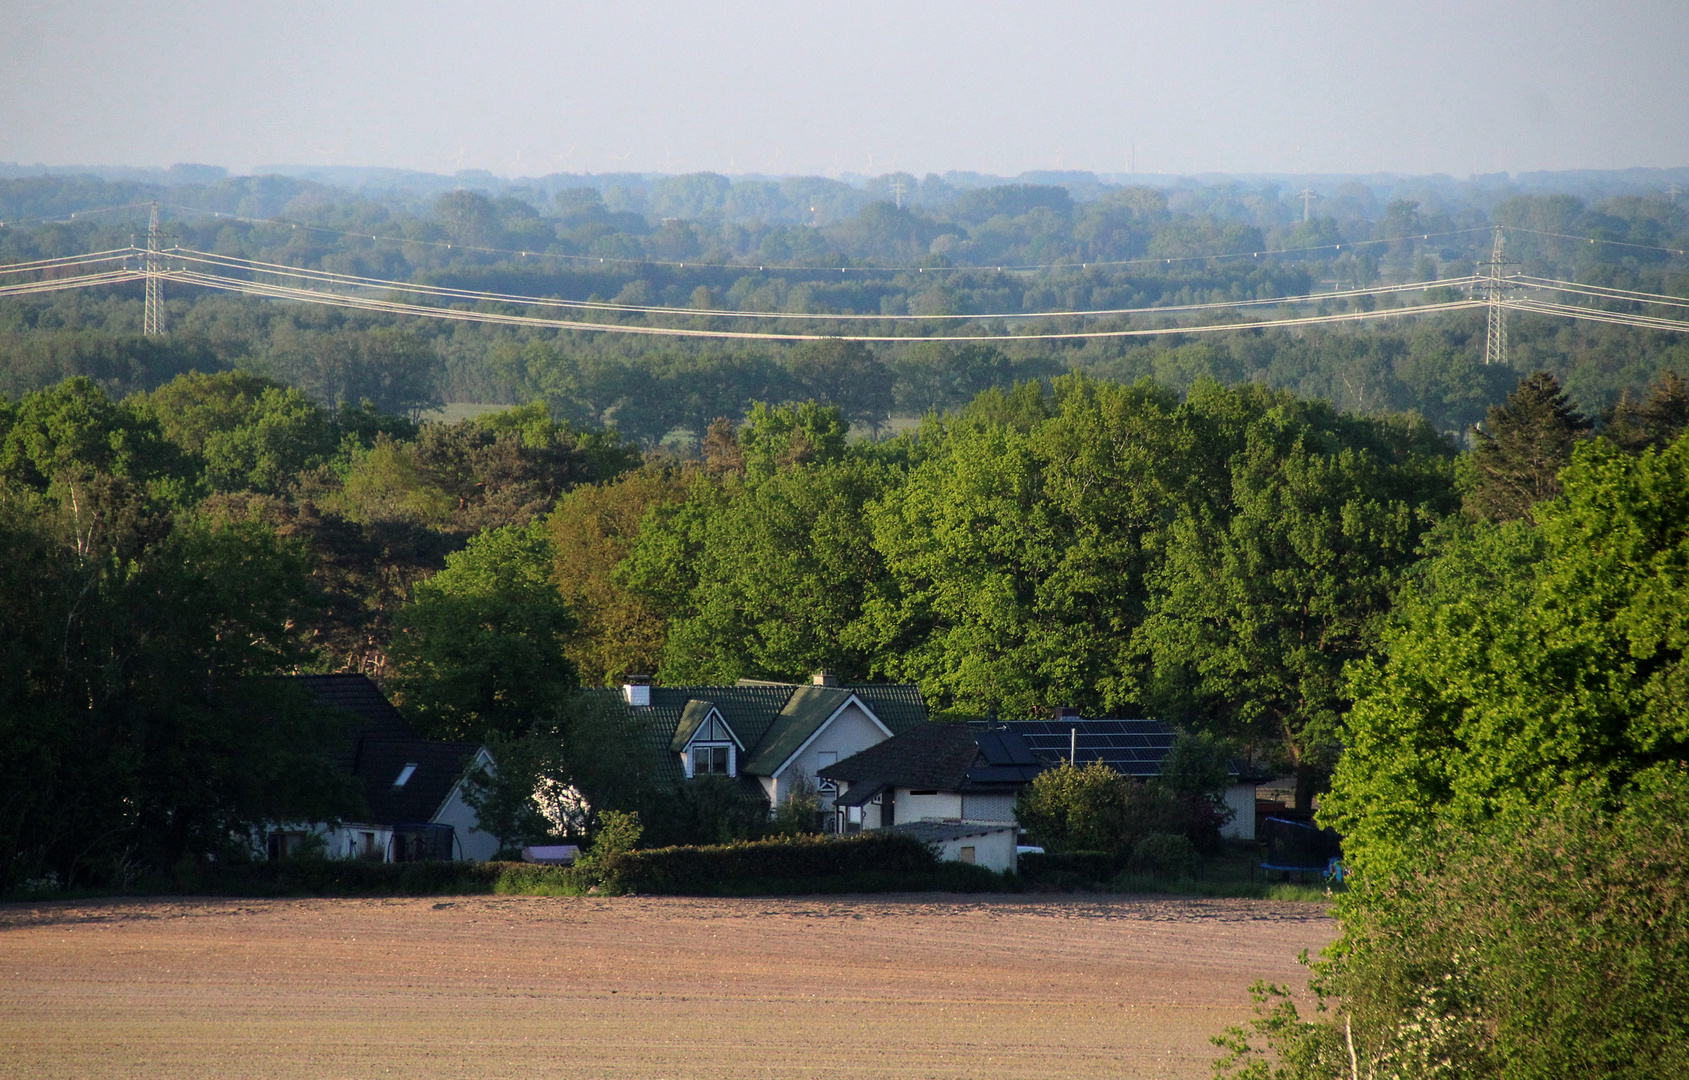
(1132, 747)
(1004, 758)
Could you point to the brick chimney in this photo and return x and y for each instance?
(824, 678)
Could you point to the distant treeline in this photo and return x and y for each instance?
(949, 238)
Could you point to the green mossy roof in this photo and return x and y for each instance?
(771, 720)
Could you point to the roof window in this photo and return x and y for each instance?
(405, 775)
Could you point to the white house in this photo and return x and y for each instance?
(775, 738)
(413, 787)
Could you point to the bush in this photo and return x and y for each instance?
(346, 877)
(1554, 948)
(867, 862)
(1170, 855)
(1068, 809)
(1068, 869)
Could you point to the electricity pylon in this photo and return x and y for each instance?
(1495, 291)
(153, 323)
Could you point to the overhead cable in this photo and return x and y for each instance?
(446, 292)
(460, 315)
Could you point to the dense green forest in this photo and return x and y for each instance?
(1220, 531)
(1219, 558)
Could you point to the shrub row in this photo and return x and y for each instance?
(347, 877)
(760, 864)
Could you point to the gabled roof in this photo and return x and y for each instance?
(944, 757)
(804, 713)
(380, 743)
(439, 767)
(693, 718)
(765, 717)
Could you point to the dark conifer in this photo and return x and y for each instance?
(1520, 448)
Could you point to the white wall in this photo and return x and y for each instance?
(1241, 799)
(940, 807)
(471, 843)
(995, 850)
(850, 732)
(988, 807)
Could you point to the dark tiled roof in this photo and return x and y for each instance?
(380, 743)
(375, 715)
(439, 766)
(945, 757)
(771, 720)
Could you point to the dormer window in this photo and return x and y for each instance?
(712, 749)
(712, 758)
(405, 775)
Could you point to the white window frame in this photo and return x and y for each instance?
(692, 759)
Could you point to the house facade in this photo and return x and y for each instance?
(934, 772)
(413, 788)
(971, 773)
(777, 739)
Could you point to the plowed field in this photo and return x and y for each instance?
(852, 988)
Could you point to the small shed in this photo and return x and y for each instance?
(992, 845)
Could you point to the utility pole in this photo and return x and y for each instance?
(1307, 201)
(153, 324)
(1495, 290)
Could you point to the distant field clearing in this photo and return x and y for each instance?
(907, 987)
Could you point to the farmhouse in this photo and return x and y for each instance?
(934, 772)
(412, 786)
(972, 772)
(775, 738)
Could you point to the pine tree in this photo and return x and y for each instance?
(1521, 447)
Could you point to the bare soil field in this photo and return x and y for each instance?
(918, 986)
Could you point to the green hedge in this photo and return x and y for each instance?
(349, 877)
(1069, 869)
(867, 862)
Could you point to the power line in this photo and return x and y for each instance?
(1603, 292)
(113, 255)
(446, 292)
(460, 315)
(1617, 318)
(81, 281)
(1593, 240)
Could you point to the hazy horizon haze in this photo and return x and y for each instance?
(872, 87)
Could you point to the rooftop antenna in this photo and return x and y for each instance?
(1308, 198)
(1494, 286)
(152, 324)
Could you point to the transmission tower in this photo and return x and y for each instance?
(153, 325)
(1494, 288)
(1308, 198)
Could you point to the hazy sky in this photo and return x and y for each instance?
(796, 87)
